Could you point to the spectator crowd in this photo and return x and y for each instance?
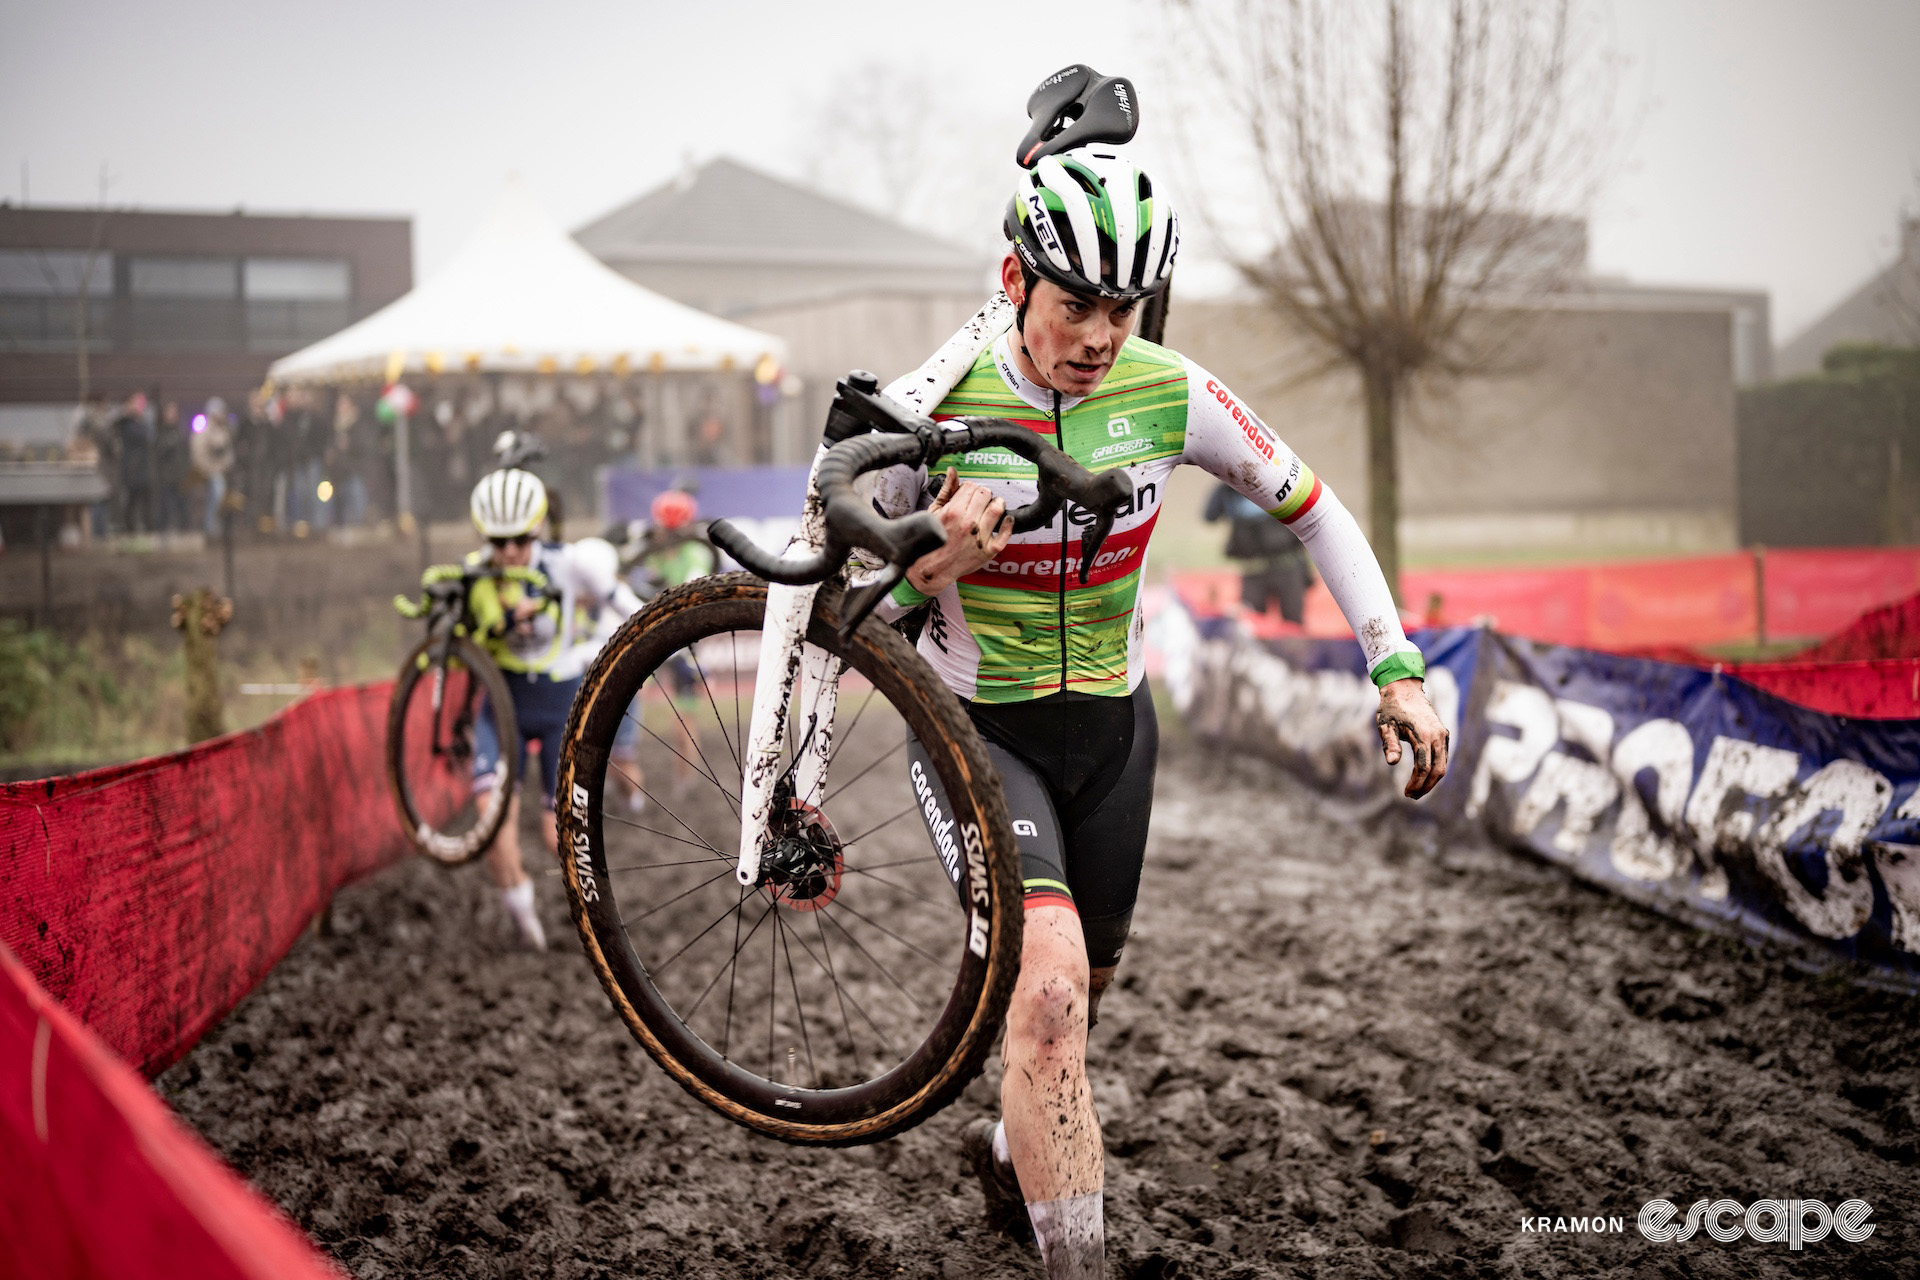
(302, 461)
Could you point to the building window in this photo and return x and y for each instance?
(184, 278)
(298, 280)
(40, 298)
(294, 301)
(185, 304)
(41, 273)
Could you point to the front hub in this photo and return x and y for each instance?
(801, 864)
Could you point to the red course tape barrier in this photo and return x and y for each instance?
(150, 898)
(102, 1181)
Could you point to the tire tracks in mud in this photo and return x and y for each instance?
(1334, 1050)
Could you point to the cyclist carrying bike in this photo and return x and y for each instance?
(542, 642)
(1051, 668)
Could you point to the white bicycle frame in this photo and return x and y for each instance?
(786, 658)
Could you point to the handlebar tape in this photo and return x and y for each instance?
(901, 438)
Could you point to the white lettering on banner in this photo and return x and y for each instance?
(1745, 802)
(1586, 787)
(1900, 871)
(1321, 721)
(1717, 820)
(1524, 708)
(1860, 795)
(1666, 748)
(1634, 806)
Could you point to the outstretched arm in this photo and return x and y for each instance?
(1227, 439)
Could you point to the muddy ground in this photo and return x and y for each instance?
(1336, 1050)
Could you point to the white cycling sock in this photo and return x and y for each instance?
(1072, 1235)
(518, 900)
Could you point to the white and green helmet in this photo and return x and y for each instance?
(508, 504)
(1089, 221)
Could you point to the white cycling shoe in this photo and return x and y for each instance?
(518, 902)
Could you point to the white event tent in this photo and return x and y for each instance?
(522, 297)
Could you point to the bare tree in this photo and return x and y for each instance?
(75, 287)
(895, 141)
(1899, 290)
(1413, 170)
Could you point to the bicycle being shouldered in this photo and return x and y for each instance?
(792, 942)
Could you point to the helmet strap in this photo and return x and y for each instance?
(1027, 279)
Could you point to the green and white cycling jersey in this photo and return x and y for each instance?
(1024, 626)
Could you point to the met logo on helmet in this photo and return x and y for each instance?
(1042, 222)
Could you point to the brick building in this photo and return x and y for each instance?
(196, 304)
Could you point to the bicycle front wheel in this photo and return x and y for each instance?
(449, 719)
(859, 986)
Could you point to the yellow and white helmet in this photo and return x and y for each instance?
(508, 504)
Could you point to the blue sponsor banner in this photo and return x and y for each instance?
(723, 492)
(1687, 791)
(1306, 703)
(1704, 796)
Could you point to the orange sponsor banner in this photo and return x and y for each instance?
(1701, 600)
(1640, 605)
(1815, 592)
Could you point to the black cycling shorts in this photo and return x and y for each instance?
(1078, 775)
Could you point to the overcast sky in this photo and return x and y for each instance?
(1772, 143)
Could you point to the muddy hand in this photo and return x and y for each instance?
(1405, 714)
(977, 527)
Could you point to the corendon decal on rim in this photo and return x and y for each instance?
(1251, 427)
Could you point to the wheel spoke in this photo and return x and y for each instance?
(897, 888)
(662, 866)
(704, 768)
(664, 835)
(853, 1046)
(851, 726)
(799, 1011)
(628, 924)
(694, 651)
(664, 809)
(871, 766)
(848, 844)
(840, 989)
(703, 933)
(733, 975)
(882, 969)
(860, 915)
